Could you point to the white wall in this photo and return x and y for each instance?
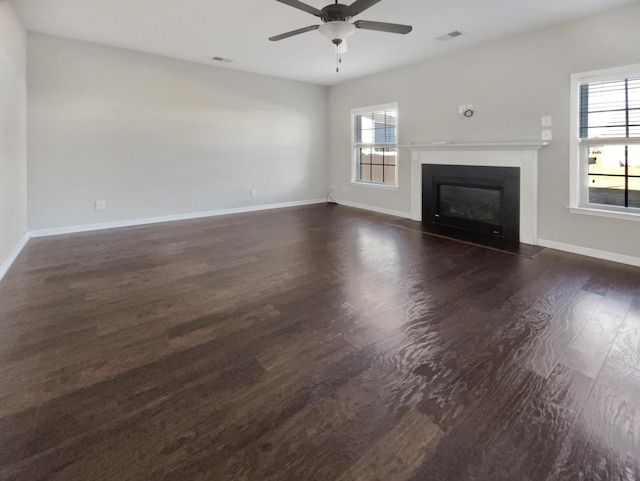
(153, 136)
(13, 154)
(511, 83)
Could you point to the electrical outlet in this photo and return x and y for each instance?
(546, 135)
(100, 205)
(254, 193)
(546, 121)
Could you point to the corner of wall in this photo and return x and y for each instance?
(13, 133)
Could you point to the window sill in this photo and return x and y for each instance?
(374, 185)
(612, 214)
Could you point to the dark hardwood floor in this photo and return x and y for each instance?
(314, 343)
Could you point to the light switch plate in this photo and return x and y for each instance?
(546, 135)
(546, 121)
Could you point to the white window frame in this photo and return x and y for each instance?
(355, 147)
(578, 148)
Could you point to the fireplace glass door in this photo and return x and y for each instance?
(476, 204)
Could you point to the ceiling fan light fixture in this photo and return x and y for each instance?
(337, 32)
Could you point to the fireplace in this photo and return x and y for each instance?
(522, 156)
(478, 199)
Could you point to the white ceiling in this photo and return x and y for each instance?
(198, 30)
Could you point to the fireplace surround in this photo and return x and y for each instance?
(521, 155)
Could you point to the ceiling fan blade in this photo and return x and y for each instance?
(294, 32)
(360, 6)
(302, 6)
(383, 26)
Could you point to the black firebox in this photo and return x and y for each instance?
(481, 200)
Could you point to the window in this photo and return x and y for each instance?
(606, 151)
(375, 145)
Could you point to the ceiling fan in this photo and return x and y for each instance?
(336, 22)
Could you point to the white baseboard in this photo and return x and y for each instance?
(13, 255)
(6, 264)
(167, 218)
(381, 210)
(587, 251)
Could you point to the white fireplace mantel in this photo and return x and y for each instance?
(475, 146)
(523, 155)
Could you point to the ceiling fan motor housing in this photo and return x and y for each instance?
(335, 13)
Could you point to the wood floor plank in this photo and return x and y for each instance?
(591, 346)
(626, 347)
(514, 432)
(604, 443)
(399, 453)
(545, 350)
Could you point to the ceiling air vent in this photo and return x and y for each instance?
(222, 59)
(449, 36)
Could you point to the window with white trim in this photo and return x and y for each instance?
(606, 129)
(375, 145)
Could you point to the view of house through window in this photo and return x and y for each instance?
(614, 175)
(609, 118)
(375, 145)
